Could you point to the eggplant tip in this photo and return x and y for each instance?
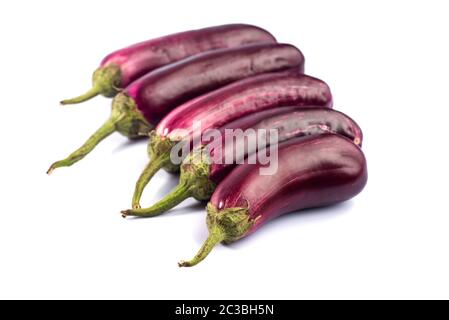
(124, 213)
(183, 263)
(50, 170)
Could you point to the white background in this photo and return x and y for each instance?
(62, 237)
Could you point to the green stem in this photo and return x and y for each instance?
(104, 131)
(178, 195)
(106, 80)
(93, 92)
(216, 235)
(156, 163)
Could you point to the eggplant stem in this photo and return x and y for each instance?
(156, 163)
(178, 195)
(104, 131)
(106, 80)
(216, 235)
(93, 92)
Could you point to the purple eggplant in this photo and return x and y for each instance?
(312, 172)
(207, 165)
(120, 68)
(216, 109)
(137, 109)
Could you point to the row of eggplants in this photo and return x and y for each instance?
(229, 78)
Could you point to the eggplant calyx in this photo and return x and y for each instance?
(235, 222)
(195, 171)
(161, 147)
(128, 120)
(105, 81)
(226, 225)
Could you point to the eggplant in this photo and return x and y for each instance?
(312, 172)
(207, 165)
(120, 68)
(216, 109)
(140, 107)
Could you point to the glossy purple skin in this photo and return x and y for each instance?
(312, 172)
(141, 58)
(263, 92)
(160, 91)
(290, 123)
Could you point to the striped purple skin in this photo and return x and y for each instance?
(290, 123)
(312, 172)
(139, 59)
(264, 92)
(164, 89)
(207, 166)
(215, 109)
